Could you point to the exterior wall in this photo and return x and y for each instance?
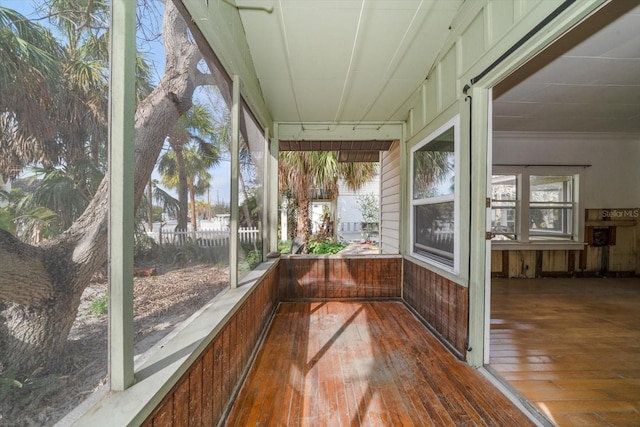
(390, 200)
(441, 303)
(340, 277)
(208, 388)
(349, 216)
(482, 33)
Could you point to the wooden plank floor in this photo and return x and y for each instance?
(571, 346)
(362, 364)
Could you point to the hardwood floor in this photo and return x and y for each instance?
(362, 363)
(570, 346)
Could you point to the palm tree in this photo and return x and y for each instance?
(29, 68)
(42, 284)
(300, 172)
(429, 169)
(194, 145)
(196, 176)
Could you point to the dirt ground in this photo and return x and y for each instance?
(161, 302)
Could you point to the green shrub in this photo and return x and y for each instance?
(284, 247)
(100, 305)
(323, 247)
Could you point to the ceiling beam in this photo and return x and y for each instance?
(340, 132)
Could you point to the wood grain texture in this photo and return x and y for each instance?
(362, 363)
(441, 303)
(334, 277)
(570, 346)
(207, 389)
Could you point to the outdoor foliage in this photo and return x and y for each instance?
(302, 172)
(323, 246)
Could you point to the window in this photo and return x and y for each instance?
(504, 199)
(550, 207)
(433, 197)
(534, 205)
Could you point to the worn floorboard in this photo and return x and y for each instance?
(570, 346)
(362, 364)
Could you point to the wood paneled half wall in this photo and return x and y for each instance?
(204, 393)
(340, 277)
(442, 304)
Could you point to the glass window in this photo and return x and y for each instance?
(503, 207)
(533, 206)
(433, 167)
(550, 206)
(251, 191)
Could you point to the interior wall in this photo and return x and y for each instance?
(608, 182)
(611, 180)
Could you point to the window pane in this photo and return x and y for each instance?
(504, 187)
(548, 221)
(54, 114)
(250, 185)
(434, 231)
(503, 207)
(433, 167)
(551, 188)
(551, 207)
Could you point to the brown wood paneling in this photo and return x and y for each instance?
(357, 363)
(441, 303)
(181, 403)
(206, 390)
(334, 277)
(195, 393)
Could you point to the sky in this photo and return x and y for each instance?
(154, 53)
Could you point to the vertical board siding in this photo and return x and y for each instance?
(333, 277)
(390, 200)
(441, 303)
(204, 392)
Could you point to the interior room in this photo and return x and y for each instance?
(569, 120)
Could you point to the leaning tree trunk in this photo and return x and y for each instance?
(41, 286)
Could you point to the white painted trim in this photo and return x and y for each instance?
(455, 123)
(121, 173)
(234, 195)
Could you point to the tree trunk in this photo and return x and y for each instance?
(150, 205)
(303, 221)
(183, 195)
(192, 202)
(41, 286)
(245, 207)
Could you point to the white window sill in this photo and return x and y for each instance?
(537, 246)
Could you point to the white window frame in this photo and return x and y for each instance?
(455, 197)
(523, 176)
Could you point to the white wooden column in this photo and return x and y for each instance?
(235, 170)
(121, 164)
(478, 242)
(274, 194)
(267, 214)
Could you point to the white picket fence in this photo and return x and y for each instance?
(203, 238)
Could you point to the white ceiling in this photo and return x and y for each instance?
(343, 60)
(334, 61)
(588, 81)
